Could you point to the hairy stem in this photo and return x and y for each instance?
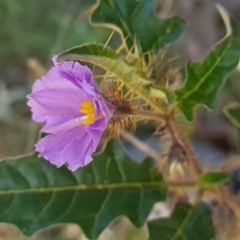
(178, 138)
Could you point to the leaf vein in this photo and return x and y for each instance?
(180, 228)
(202, 80)
(44, 207)
(96, 218)
(20, 174)
(121, 171)
(9, 206)
(70, 205)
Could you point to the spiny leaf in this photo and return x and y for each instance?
(186, 223)
(34, 194)
(204, 79)
(135, 20)
(112, 62)
(105, 58)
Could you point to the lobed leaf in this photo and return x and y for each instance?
(112, 62)
(204, 79)
(186, 223)
(34, 194)
(135, 20)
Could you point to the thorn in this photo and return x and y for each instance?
(130, 51)
(149, 72)
(109, 39)
(134, 91)
(122, 46)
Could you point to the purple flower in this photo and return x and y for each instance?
(75, 112)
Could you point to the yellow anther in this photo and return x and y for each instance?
(88, 108)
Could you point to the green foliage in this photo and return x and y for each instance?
(204, 79)
(106, 58)
(136, 21)
(233, 114)
(91, 49)
(212, 179)
(26, 32)
(232, 111)
(112, 62)
(186, 223)
(34, 194)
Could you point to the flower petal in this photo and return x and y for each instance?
(75, 73)
(56, 102)
(53, 80)
(57, 99)
(51, 146)
(59, 124)
(108, 113)
(78, 152)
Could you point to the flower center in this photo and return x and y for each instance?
(88, 108)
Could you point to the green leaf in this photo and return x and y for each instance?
(215, 178)
(136, 20)
(104, 57)
(34, 194)
(204, 79)
(238, 135)
(232, 111)
(112, 62)
(186, 223)
(170, 95)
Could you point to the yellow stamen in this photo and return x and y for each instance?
(88, 108)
